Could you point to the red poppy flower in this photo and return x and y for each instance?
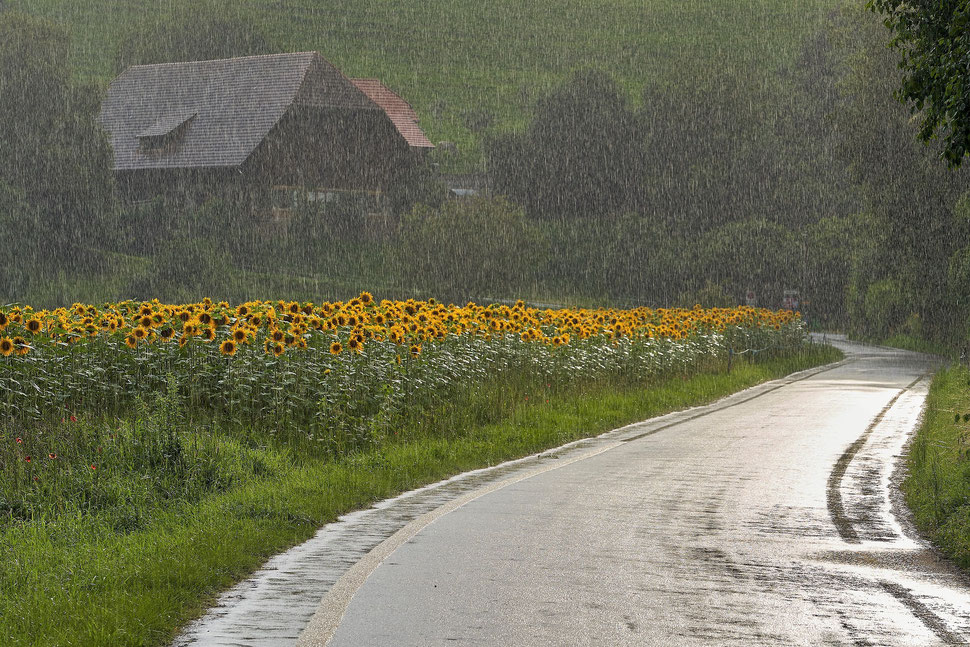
(94, 467)
(26, 459)
(20, 440)
(52, 456)
(73, 418)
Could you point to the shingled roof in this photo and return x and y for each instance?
(215, 113)
(400, 111)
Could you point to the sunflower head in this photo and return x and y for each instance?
(239, 335)
(336, 348)
(6, 346)
(33, 325)
(228, 347)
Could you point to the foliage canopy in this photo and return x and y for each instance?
(933, 37)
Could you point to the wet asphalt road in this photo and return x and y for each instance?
(766, 519)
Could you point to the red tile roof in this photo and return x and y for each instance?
(400, 111)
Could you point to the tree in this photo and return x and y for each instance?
(933, 37)
(906, 229)
(193, 32)
(581, 155)
(52, 152)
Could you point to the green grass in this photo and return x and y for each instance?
(921, 345)
(79, 579)
(938, 486)
(452, 57)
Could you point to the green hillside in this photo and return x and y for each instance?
(458, 59)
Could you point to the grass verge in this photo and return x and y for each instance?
(920, 345)
(938, 486)
(79, 580)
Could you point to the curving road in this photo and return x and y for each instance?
(766, 519)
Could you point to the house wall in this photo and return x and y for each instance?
(349, 158)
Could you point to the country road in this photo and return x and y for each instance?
(768, 518)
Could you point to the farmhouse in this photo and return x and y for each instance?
(269, 131)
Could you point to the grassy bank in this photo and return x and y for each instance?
(110, 578)
(921, 345)
(938, 486)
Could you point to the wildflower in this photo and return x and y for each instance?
(93, 467)
(52, 456)
(20, 441)
(26, 459)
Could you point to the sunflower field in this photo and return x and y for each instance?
(321, 366)
(199, 397)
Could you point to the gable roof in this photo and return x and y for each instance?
(222, 108)
(401, 113)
